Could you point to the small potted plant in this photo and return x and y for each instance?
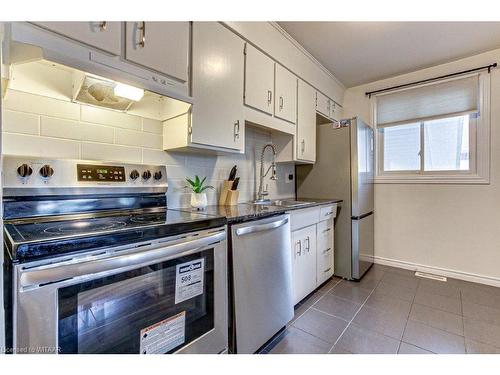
(198, 195)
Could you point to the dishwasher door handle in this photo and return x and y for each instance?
(261, 227)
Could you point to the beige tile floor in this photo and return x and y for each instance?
(392, 311)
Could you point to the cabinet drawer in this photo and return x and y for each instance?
(324, 266)
(325, 235)
(328, 212)
(303, 218)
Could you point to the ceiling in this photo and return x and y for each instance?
(362, 52)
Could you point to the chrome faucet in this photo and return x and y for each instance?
(263, 193)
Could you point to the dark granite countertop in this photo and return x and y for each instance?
(248, 211)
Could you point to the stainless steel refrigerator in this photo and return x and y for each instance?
(344, 169)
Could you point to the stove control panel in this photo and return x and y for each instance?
(109, 173)
(26, 175)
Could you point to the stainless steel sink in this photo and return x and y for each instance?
(283, 203)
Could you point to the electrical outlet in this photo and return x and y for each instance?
(289, 178)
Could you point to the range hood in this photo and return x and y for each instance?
(83, 75)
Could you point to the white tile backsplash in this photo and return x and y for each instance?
(108, 117)
(21, 144)
(41, 105)
(19, 122)
(60, 128)
(99, 151)
(40, 126)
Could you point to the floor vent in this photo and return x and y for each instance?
(430, 276)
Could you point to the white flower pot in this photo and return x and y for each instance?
(199, 200)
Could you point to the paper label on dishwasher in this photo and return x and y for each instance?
(189, 280)
(163, 336)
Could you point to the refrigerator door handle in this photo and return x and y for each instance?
(362, 216)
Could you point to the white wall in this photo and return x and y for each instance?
(40, 126)
(453, 228)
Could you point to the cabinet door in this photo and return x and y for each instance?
(335, 111)
(161, 46)
(303, 262)
(100, 34)
(285, 100)
(259, 80)
(324, 260)
(322, 104)
(306, 123)
(217, 111)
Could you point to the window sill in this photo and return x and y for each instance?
(434, 179)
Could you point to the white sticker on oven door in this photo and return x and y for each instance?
(163, 336)
(189, 280)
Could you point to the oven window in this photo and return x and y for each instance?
(136, 311)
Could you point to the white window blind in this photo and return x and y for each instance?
(432, 101)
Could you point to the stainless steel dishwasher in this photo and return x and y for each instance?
(262, 281)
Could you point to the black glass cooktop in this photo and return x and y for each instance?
(36, 239)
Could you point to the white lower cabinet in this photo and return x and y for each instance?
(303, 262)
(312, 248)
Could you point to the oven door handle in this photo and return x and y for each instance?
(142, 257)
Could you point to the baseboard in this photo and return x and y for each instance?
(466, 276)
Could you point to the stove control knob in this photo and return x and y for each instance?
(158, 175)
(24, 170)
(134, 175)
(146, 175)
(46, 171)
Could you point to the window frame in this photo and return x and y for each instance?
(479, 148)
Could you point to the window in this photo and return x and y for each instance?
(434, 133)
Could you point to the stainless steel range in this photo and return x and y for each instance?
(97, 263)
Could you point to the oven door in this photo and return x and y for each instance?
(163, 297)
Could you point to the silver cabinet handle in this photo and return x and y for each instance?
(328, 107)
(295, 253)
(308, 247)
(142, 41)
(327, 250)
(327, 230)
(281, 103)
(329, 213)
(303, 146)
(261, 227)
(269, 96)
(103, 25)
(143, 256)
(236, 130)
(327, 270)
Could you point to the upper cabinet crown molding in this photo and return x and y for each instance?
(283, 49)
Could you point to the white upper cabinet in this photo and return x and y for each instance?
(217, 111)
(259, 80)
(100, 34)
(327, 107)
(306, 123)
(322, 104)
(285, 100)
(335, 111)
(160, 46)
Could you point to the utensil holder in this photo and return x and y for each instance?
(232, 197)
(226, 186)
